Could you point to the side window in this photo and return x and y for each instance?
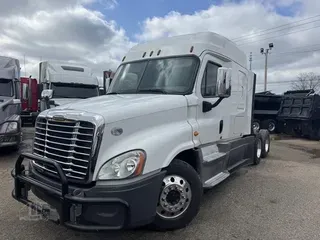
(209, 81)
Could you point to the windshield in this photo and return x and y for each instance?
(68, 90)
(6, 87)
(167, 75)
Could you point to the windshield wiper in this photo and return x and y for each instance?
(111, 93)
(154, 90)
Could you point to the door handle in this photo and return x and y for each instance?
(220, 126)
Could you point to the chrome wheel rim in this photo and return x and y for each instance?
(271, 127)
(256, 126)
(266, 147)
(259, 146)
(175, 197)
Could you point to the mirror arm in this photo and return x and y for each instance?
(207, 106)
(217, 102)
(47, 101)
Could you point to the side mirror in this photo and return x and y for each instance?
(12, 102)
(47, 93)
(16, 101)
(39, 90)
(107, 79)
(224, 82)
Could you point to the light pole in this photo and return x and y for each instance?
(266, 53)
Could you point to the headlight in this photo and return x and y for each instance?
(9, 127)
(123, 166)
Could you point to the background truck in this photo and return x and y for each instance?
(66, 83)
(266, 107)
(177, 119)
(299, 114)
(10, 104)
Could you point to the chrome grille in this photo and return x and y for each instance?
(69, 143)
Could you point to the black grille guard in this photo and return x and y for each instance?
(23, 180)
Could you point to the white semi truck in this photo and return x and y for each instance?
(10, 103)
(177, 119)
(64, 83)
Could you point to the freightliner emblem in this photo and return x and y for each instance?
(59, 118)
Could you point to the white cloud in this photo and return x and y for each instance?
(242, 19)
(108, 4)
(65, 31)
(68, 30)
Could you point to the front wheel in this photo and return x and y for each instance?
(180, 197)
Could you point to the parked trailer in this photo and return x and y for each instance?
(266, 107)
(299, 114)
(177, 119)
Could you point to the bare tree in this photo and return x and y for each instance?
(307, 81)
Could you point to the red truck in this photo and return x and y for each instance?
(29, 100)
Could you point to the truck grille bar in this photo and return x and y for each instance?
(69, 143)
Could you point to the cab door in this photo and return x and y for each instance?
(213, 125)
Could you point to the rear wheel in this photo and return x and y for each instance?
(270, 125)
(265, 141)
(179, 199)
(315, 134)
(256, 125)
(257, 150)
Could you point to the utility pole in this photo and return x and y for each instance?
(24, 63)
(250, 60)
(266, 52)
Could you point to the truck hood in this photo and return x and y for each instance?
(119, 107)
(63, 101)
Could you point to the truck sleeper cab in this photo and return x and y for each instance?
(62, 83)
(177, 119)
(10, 103)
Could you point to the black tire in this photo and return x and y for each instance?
(315, 134)
(256, 125)
(186, 171)
(265, 137)
(270, 125)
(256, 156)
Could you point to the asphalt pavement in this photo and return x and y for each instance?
(279, 199)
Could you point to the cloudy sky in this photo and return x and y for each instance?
(99, 32)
